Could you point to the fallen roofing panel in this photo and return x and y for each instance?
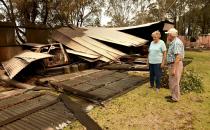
(19, 62)
(137, 26)
(35, 110)
(98, 86)
(114, 36)
(34, 45)
(32, 56)
(145, 30)
(58, 36)
(92, 44)
(167, 26)
(82, 54)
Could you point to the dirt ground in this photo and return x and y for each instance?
(144, 109)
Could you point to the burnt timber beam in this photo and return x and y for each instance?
(15, 83)
(82, 116)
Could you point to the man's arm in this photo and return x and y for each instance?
(164, 59)
(178, 58)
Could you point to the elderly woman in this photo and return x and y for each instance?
(156, 59)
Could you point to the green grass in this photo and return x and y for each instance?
(144, 109)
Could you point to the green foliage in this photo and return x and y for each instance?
(190, 81)
(164, 78)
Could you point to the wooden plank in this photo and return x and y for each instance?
(83, 117)
(30, 107)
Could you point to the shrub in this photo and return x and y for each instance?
(190, 81)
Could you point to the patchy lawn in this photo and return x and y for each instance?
(144, 109)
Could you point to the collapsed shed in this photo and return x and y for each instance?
(89, 44)
(108, 45)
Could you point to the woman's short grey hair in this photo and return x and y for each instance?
(156, 33)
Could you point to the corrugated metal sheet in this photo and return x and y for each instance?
(33, 45)
(114, 36)
(32, 111)
(14, 66)
(167, 26)
(138, 26)
(82, 54)
(92, 44)
(32, 56)
(19, 62)
(58, 36)
(78, 41)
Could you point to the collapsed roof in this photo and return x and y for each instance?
(91, 43)
(145, 30)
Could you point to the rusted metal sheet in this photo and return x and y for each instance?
(29, 56)
(114, 36)
(19, 62)
(59, 55)
(14, 66)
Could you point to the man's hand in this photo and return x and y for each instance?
(173, 72)
(162, 65)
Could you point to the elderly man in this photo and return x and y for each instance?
(175, 57)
